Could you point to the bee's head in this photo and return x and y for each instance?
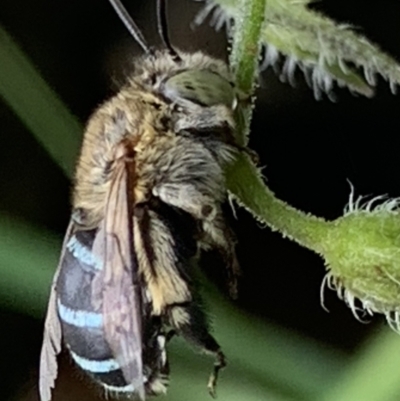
(183, 79)
(196, 79)
(204, 81)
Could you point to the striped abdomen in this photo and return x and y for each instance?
(82, 324)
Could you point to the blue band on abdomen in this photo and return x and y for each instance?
(83, 254)
(79, 318)
(125, 389)
(95, 366)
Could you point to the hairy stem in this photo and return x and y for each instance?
(246, 48)
(246, 184)
(243, 179)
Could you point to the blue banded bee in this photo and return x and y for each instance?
(147, 198)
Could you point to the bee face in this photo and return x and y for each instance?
(147, 200)
(196, 78)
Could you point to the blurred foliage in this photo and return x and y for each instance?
(37, 105)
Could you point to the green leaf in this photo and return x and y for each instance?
(37, 105)
(325, 50)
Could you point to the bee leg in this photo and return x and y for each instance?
(219, 364)
(187, 197)
(190, 322)
(219, 236)
(169, 335)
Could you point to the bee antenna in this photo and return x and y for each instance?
(163, 29)
(130, 25)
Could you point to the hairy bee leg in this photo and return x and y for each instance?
(252, 154)
(219, 364)
(190, 322)
(217, 119)
(169, 335)
(188, 198)
(219, 235)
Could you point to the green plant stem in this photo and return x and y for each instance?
(243, 179)
(37, 105)
(246, 184)
(246, 48)
(246, 43)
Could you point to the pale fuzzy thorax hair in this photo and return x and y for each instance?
(147, 68)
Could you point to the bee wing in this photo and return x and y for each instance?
(118, 288)
(51, 346)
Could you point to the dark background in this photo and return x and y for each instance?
(309, 149)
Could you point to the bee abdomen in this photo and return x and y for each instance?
(106, 372)
(90, 351)
(83, 330)
(82, 324)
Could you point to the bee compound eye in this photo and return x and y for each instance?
(202, 87)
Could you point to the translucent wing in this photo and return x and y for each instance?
(117, 288)
(51, 346)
